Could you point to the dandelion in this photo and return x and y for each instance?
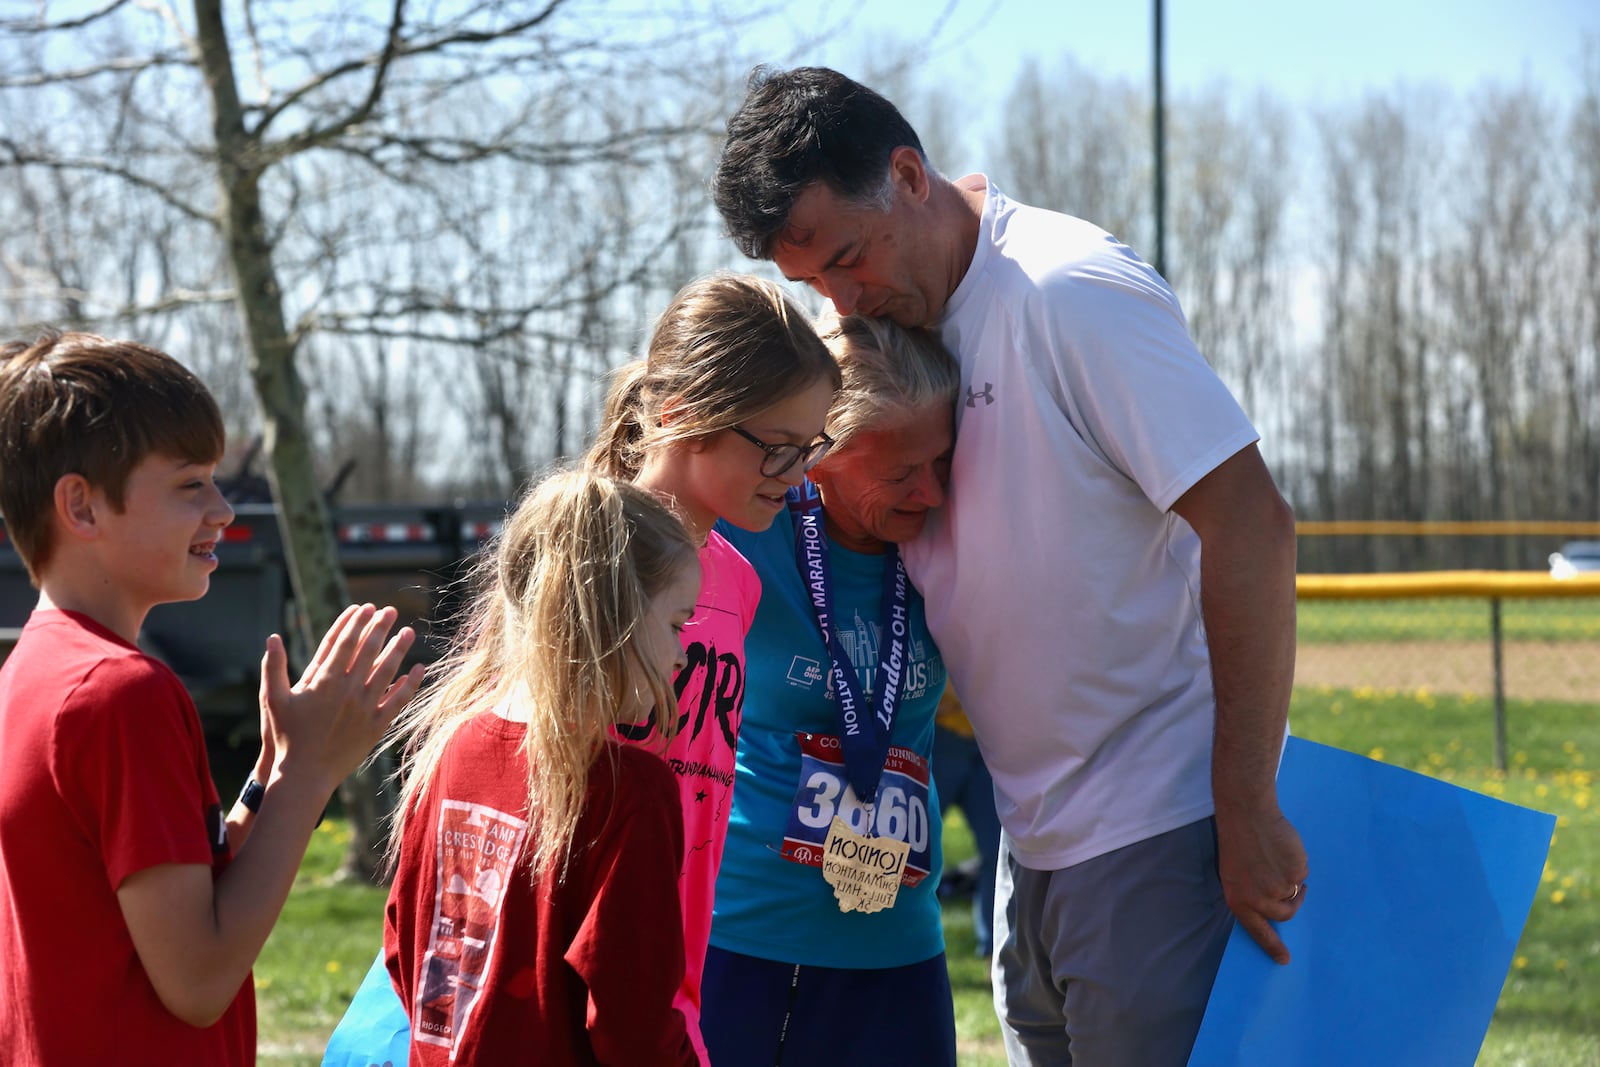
(1548, 875)
(1529, 773)
(1558, 896)
(1541, 790)
(1568, 881)
(1581, 798)
(1336, 708)
(1436, 759)
(1520, 962)
(262, 983)
(1375, 754)
(1454, 745)
(1520, 758)
(1569, 747)
(333, 967)
(1365, 692)
(1561, 965)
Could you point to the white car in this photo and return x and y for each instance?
(1575, 557)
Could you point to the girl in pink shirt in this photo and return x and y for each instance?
(720, 418)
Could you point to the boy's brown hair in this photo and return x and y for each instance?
(78, 403)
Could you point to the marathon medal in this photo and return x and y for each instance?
(864, 871)
(863, 868)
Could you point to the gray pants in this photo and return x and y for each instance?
(1109, 963)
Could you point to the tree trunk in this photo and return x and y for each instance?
(310, 550)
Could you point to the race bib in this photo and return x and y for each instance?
(823, 794)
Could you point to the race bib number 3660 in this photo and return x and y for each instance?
(823, 793)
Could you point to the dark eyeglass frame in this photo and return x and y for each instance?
(779, 458)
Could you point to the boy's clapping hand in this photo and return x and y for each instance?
(330, 720)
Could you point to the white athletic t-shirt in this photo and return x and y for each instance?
(1063, 593)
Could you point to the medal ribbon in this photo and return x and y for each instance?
(864, 733)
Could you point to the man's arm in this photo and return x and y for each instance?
(197, 939)
(1247, 599)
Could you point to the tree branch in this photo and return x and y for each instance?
(394, 48)
(170, 301)
(114, 66)
(14, 155)
(20, 26)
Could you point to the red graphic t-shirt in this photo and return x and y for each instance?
(494, 967)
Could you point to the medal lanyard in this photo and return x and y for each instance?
(864, 736)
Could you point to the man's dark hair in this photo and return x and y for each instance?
(796, 127)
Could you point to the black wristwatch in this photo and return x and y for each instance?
(250, 796)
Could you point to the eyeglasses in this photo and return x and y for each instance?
(781, 457)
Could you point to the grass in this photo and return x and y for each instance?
(322, 946)
(1447, 619)
(1549, 1009)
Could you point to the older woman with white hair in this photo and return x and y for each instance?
(826, 940)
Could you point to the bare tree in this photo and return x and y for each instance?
(392, 193)
(1075, 141)
(1495, 275)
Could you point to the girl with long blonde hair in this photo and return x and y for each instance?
(534, 911)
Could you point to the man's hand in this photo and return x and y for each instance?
(1263, 868)
(329, 721)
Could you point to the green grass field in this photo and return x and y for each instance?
(1549, 1010)
(1447, 618)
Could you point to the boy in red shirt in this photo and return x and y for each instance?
(131, 909)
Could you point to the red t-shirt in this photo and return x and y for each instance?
(495, 968)
(105, 775)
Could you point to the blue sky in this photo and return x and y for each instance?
(1316, 51)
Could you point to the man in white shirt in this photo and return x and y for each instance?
(1111, 581)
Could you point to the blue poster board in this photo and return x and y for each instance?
(1417, 897)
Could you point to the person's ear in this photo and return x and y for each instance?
(671, 410)
(74, 505)
(909, 172)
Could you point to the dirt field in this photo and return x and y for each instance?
(1555, 670)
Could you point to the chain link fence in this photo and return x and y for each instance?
(1498, 637)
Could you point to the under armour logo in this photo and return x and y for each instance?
(987, 395)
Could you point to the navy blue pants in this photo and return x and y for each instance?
(762, 1013)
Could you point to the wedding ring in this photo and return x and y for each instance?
(1292, 897)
